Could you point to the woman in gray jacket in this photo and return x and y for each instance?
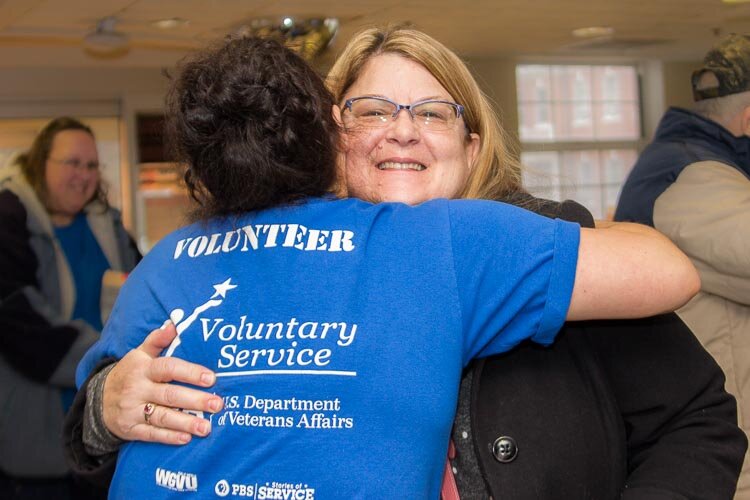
(59, 237)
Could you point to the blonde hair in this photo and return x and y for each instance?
(495, 173)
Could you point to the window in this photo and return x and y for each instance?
(580, 131)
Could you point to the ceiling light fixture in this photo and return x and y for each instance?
(104, 39)
(170, 23)
(593, 32)
(308, 37)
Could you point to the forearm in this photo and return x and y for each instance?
(97, 469)
(97, 439)
(629, 270)
(628, 227)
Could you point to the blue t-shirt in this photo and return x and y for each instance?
(87, 264)
(338, 331)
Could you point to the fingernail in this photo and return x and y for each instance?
(165, 324)
(214, 404)
(207, 378)
(204, 428)
(183, 438)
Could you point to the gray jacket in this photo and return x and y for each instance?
(40, 345)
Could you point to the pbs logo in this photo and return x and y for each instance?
(222, 488)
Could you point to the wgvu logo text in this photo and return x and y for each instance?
(176, 481)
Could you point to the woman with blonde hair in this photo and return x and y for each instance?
(643, 395)
(495, 172)
(391, 151)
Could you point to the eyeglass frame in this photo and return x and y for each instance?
(77, 164)
(408, 107)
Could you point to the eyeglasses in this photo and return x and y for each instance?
(377, 112)
(77, 164)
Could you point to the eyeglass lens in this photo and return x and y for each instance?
(374, 112)
(75, 163)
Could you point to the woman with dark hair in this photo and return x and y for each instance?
(337, 329)
(59, 237)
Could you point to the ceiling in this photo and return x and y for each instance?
(49, 33)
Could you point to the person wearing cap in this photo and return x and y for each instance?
(693, 184)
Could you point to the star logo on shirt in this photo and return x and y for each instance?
(182, 323)
(223, 288)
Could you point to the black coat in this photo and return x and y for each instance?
(614, 409)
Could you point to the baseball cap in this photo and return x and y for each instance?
(729, 64)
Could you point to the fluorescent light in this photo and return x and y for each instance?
(170, 23)
(593, 31)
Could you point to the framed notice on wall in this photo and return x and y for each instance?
(151, 144)
(162, 201)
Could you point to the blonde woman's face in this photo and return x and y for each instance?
(402, 161)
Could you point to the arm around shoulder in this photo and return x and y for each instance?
(628, 270)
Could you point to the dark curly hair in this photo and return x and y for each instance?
(251, 122)
(33, 163)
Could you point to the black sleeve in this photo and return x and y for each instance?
(575, 212)
(682, 435)
(96, 470)
(567, 210)
(133, 246)
(23, 329)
